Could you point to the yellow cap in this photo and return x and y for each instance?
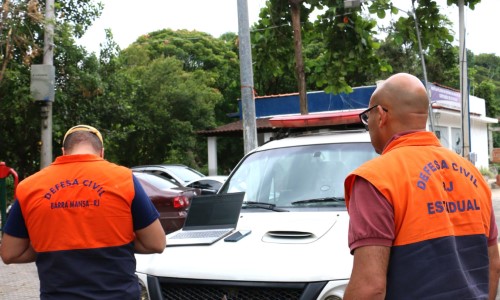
(83, 128)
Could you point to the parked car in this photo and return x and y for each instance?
(294, 206)
(208, 185)
(171, 200)
(179, 174)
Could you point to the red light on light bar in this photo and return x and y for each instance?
(318, 120)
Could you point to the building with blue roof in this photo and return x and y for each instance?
(446, 118)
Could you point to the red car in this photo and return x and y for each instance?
(170, 199)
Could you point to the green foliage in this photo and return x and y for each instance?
(150, 99)
(486, 90)
(183, 82)
(77, 81)
(20, 34)
(175, 79)
(350, 58)
(485, 81)
(19, 125)
(273, 49)
(486, 172)
(496, 139)
(433, 26)
(338, 47)
(147, 102)
(80, 14)
(470, 3)
(401, 46)
(442, 66)
(200, 51)
(22, 22)
(9, 190)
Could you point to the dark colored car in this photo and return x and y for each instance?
(208, 185)
(180, 174)
(171, 200)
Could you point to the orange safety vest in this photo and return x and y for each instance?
(442, 218)
(434, 192)
(78, 202)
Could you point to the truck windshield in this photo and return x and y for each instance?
(286, 177)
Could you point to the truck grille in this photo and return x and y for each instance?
(190, 292)
(188, 289)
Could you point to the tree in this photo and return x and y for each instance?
(485, 81)
(486, 69)
(21, 27)
(170, 104)
(350, 58)
(150, 99)
(21, 41)
(273, 50)
(76, 86)
(201, 51)
(401, 47)
(202, 56)
(486, 90)
(338, 47)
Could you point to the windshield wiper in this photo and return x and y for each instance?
(318, 200)
(269, 206)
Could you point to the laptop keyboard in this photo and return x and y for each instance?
(198, 234)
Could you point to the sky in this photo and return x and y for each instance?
(129, 19)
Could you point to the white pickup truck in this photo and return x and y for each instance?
(294, 206)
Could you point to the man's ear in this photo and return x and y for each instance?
(63, 152)
(102, 152)
(382, 116)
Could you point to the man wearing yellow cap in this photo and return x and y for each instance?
(81, 219)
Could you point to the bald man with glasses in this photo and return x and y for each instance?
(422, 224)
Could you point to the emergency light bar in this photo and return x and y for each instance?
(318, 120)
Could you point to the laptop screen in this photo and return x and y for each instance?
(214, 211)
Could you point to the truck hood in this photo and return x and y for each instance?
(282, 247)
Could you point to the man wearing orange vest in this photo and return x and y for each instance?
(422, 224)
(81, 219)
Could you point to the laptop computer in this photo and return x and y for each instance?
(209, 219)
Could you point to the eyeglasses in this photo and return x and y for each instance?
(364, 115)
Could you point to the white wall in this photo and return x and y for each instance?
(448, 123)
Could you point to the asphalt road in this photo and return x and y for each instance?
(20, 282)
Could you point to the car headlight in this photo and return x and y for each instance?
(334, 290)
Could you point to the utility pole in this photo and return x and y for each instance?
(46, 106)
(299, 59)
(424, 69)
(246, 79)
(464, 91)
